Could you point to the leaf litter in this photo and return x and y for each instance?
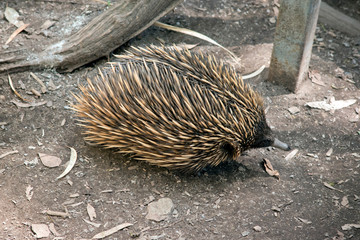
(270, 170)
(49, 161)
(91, 212)
(71, 164)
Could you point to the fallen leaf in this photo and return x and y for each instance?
(316, 78)
(70, 165)
(40, 230)
(111, 231)
(269, 169)
(12, 16)
(349, 226)
(49, 161)
(91, 212)
(331, 104)
(29, 192)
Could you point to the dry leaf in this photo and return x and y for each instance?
(49, 161)
(70, 165)
(111, 231)
(331, 104)
(270, 170)
(91, 212)
(12, 16)
(40, 230)
(316, 78)
(29, 192)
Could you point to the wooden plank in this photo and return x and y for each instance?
(294, 36)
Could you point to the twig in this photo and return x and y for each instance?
(8, 153)
(16, 93)
(16, 32)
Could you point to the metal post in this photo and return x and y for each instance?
(294, 37)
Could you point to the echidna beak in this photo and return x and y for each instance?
(279, 144)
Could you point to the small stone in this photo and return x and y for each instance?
(294, 110)
(40, 230)
(257, 229)
(160, 210)
(245, 233)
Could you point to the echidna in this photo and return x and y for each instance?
(173, 108)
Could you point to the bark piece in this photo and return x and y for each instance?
(98, 38)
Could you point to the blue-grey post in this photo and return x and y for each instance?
(294, 37)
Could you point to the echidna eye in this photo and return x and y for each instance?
(228, 148)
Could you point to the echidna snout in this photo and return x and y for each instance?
(173, 108)
(265, 138)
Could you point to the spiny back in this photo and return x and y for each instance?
(171, 107)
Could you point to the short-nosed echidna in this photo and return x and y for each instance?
(173, 108)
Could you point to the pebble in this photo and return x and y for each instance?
(257, 229)
(294, 110)
(40, 230)
(160, 210)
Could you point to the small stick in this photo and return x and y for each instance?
(16, 93)
(43, 87)
(16, 32)
(8, 153)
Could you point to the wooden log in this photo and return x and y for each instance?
(294, 36)
(338, 20)
(98, 38)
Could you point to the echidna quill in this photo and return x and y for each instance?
(173, 108)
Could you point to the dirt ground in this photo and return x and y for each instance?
(319, 189)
